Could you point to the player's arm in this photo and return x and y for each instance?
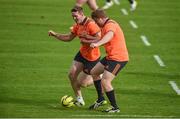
(62, 37)
(105, 39)
(93, 33)
(90, 38)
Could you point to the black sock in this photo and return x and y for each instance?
(108, 1)
(99, 90)
(111, 98)
(131, 1)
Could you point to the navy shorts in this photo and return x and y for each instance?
(88, 65)
(113, 66)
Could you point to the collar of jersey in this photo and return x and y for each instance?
(106, 22)
(84, 21)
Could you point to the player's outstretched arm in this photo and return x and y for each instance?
(105, 39)
(62, 37)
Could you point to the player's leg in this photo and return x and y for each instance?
(84, 80)
(133, 4)
(96, 72)
(107, 78)
(106, 83)
(75, 69)
(112, 69)
(92, 4)
(84, 77)
(80, 3)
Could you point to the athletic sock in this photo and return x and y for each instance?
(111, 98)
(99, 90)
(108, 1)
(131, 1)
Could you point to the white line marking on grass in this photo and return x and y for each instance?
(159, 61)
(133, 24)
(175, 87)
(145, 40)
(122, 116)
(53, 105)
(124, 11)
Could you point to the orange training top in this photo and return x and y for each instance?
(91, 28)
(116, 47)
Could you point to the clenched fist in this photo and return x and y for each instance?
(51, 33)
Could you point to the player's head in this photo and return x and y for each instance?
(77, 14)
(99, 16)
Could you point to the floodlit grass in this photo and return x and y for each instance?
(34, 67)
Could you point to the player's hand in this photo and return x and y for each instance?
(51, 33)
(83, 35)
(93, 45)
(82, 39)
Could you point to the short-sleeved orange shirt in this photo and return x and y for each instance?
(116, 47)
(91, 28)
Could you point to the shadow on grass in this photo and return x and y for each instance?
(47, 104)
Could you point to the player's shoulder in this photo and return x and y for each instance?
(75, 25)
(90, 21)
(91, 24)
(111, 22)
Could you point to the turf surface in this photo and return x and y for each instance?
(34, 67)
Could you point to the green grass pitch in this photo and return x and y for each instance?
(34, 67)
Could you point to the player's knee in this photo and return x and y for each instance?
(83, 85)
(71, 75)
(106, 84)
(95, 75)
(92, 72)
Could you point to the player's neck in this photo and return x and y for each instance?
(105, 20)
(84, 18)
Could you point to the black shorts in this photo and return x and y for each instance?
(113, 66)
(88, 65)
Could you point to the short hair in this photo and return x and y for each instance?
(99, 13)
(77, 9)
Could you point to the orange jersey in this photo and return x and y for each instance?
(116, 47)
(91, 28)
